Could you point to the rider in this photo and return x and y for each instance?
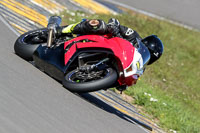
(97, 26)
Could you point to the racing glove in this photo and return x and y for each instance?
(113, 27)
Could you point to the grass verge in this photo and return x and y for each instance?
(169, 89)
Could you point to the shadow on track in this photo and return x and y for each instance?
(108, 108)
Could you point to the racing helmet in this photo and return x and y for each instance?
(155, 46)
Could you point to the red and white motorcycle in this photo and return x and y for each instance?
(85, 63)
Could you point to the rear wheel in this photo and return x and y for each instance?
(28, 42)
(82, 81)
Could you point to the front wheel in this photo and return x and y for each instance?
(28, 42)
(78, 81)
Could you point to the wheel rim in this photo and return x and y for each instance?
(35, 38)
(78, 76)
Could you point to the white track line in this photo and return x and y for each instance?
(10, 27)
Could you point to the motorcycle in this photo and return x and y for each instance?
(85, 63)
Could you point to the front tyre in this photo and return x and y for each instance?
(77, 81)
(28, 42)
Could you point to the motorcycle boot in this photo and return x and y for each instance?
(86, 27)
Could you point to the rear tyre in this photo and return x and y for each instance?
(75, 81)
(28, 42)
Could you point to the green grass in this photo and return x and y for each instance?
(174, 81)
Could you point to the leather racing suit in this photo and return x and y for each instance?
(99, 27)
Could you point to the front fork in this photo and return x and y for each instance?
(50, 38)
(53, 23)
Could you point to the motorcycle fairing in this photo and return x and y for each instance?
(121, 48)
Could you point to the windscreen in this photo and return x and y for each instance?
(143, 50)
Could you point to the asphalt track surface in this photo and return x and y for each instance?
(33, 102)
(182, 11)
